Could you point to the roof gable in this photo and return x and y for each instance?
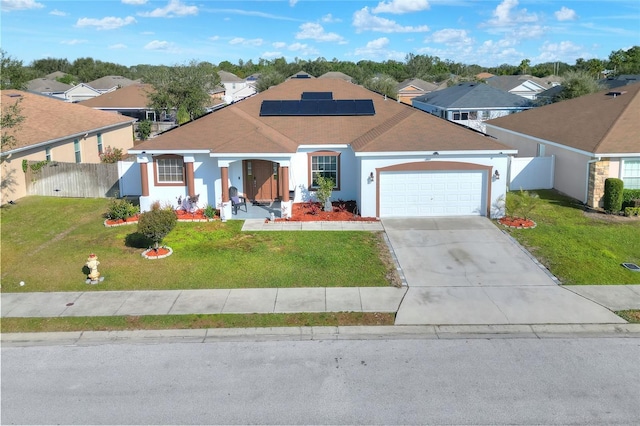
(598, 123)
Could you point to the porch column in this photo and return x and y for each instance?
(224, 183)
(144, 179)
(284, 175)
(190, 179)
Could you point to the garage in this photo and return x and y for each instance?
(432, 193)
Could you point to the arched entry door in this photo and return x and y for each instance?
(260, 180)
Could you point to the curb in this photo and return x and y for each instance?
(434, 332)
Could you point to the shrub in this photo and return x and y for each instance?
(121, 209)
(613, 194)
(325, 188)
(144, 130)
(630, 197)
(157, 223)
(632, 211)
(111, 155)
(209, 211)
(521, 204)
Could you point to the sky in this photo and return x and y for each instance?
(483, 32)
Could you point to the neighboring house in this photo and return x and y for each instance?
(301, 75)
(471, 104)
(56, 75)
(48, 87)
(522, 85)
(57, 131)
(484, 75)
(235, 88)
(392, 159)
(337, 74)
(412, 88)
(80, 92)
(110, 83)
(592, 137)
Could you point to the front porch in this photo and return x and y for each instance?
(258, 211)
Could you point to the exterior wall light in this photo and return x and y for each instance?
(496, 175)
(371, 177)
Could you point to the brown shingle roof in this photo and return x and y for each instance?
(134, 96)
(239, 128)
(48, 119)
(598, 123)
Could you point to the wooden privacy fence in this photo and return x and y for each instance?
(72, 180)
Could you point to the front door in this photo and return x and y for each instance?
(260, 180)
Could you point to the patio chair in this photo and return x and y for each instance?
(237, 201)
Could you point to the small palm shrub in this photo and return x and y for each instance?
(157, 223)
(121, 209)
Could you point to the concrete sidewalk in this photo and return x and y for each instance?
(218, 301)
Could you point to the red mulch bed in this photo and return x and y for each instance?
(343, 211)
(517, 222)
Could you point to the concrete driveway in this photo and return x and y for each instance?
(465, 270)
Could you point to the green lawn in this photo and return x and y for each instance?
(581, 248)
(46, 241)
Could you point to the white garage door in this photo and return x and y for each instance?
(420, 194)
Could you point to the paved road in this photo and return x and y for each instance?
(477, 381)
(467, 271)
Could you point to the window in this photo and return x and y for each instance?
(326, 164)
(460, 116)
(47, 153)
(631, 173)
(100, 150)
(76, 148)
(169, 170)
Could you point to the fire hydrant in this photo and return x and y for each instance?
(92, 264)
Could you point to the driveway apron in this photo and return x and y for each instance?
(465, 270)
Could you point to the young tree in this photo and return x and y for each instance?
(184, 86)
(383, 84)
(12, 74)
(10, 121)
(578, 83)
(157, 223)
(268, 79)
(144, 130)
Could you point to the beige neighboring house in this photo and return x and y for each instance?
(57, 131)
(412, 88)
(235, 88)
(593, 137)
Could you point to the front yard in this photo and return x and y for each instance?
(46, 242)
(581, 247)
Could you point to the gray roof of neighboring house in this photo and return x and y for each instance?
(226, 76)
(473, 95)
(416, 82)
(620, 80)
(47, 85)
(109, 82)
(55, 74)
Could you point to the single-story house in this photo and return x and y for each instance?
(526, 86)
(412, 88)
(48, 87)
(392, 159)
(110, 83)
(592, 137)
(471, 104)
(57, 131)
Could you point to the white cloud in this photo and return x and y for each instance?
(329, 19)
(292, 2)
(365, 21)
(134, 2)
(506, 14)
(565, 51)
(9, 5)
(214, 38)
(566, 14)
(159, 45)
(246, 42)
(171, 10)
(56, 12)
(107, 23)
(401, 6)
(303, 49)
(528, 31)
(378, 48)
(316, 32)
(271, 55)
(73, 42)
(450, 36)
(118, 46)
(279, 44)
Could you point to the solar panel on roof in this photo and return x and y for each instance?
(309, 107)
(270, 108)
(364, 107)
(289, 107)
(317, 95)
(346, 107)
(317, 107)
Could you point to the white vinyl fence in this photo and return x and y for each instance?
(531, 173)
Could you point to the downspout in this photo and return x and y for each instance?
(586, 189)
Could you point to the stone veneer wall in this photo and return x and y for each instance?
(598, 172)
